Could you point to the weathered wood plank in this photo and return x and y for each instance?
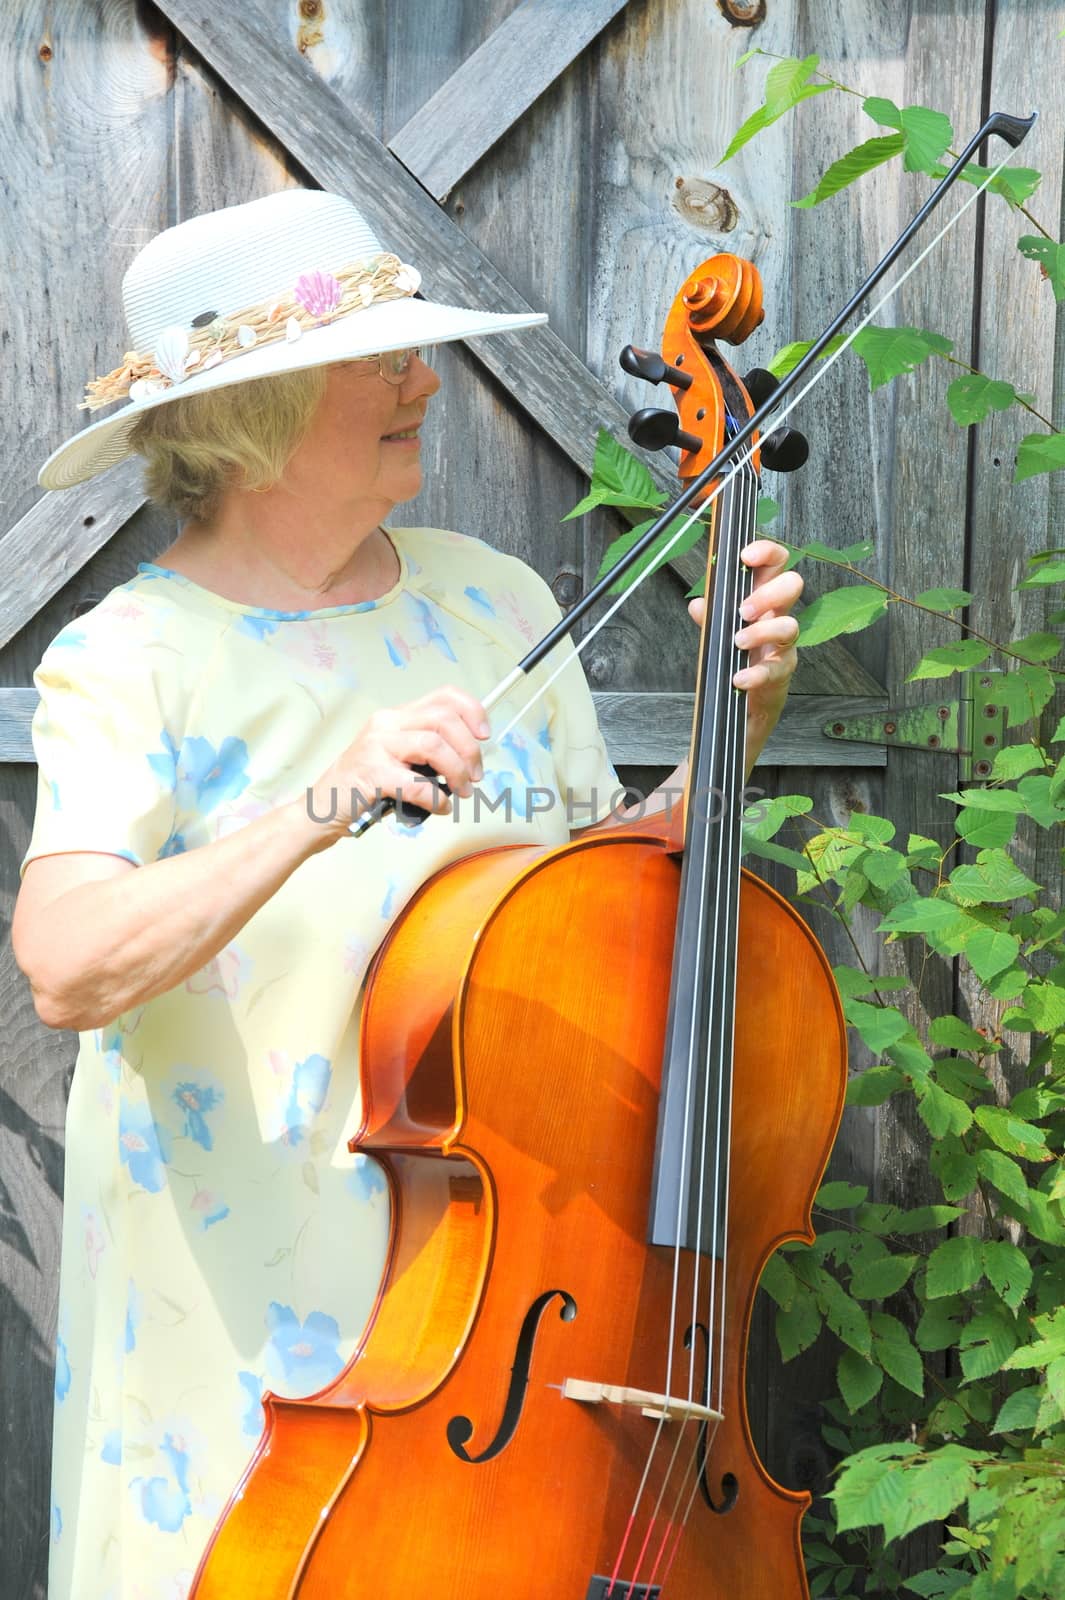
(494, 86)
(486, 471)
(84, 129)
(57, 536)
(641, 730)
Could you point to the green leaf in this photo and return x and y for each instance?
(879, 1026)
(767, 511)
(985, 1343)
(754, 846)
(854, 984)
(883, 867)
(944, 599)
(1041, 797)
(972, 398)
(844, 1315)
(859, 1380)
(1014, 184)
(785, 87)
(874, 1086)
(954, 1266)
(618, 479)
(940, 1324)
(871, 1486)
(955, 1034)
(798, 1326)
(938, 1583)
(987, 799)
(959, 656)
(942, 1113)
(984, 829)
(885, 1276)
(1008, 1271)
(778, 1281)
(788, 358)
(854, 165)
(1013, 1134)
(924, 1219)
(988, 951)
(922, 852)
(1036, 453)
(955, 1168)
(1019, 1411)
(920, 916)
(767, 817)
(846, 610)
(840, 1196)
(892, 352)
(1003, 1174)
(896, 1353)
(1049, 572)
(927, 133)
(1045, 1004)
(1051, 258)
(846, 557)
(1037, 646)
(993, 879)
(651, 559)
(1015, 760)
(869, 826)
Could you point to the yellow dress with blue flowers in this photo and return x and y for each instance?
(219, 1239)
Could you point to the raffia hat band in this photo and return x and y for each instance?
(316, 298)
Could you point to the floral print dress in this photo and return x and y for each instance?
(219, 1238)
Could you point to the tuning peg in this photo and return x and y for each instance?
(653, 430)
(785, 450)
(650, 366)
(760, 384)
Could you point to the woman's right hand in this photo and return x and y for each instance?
(441, 730)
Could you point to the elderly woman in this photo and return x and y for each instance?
(193, 903)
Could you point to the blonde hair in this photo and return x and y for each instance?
(242, 436)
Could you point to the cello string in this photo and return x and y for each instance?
(741, 461)
(676, 1527)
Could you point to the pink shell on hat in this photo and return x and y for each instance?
(318, 292)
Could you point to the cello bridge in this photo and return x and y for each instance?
(664, 1407)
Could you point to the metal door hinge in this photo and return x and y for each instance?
(973, 727)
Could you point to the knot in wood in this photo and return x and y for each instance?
(742, 13)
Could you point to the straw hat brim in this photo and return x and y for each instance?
(393, 325)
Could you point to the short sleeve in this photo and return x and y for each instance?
(586, 778)
(99, 785)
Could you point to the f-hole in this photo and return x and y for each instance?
(460, 1429)
(730, 1487)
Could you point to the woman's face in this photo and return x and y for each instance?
(362, 452)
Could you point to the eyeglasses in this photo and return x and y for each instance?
(393, 365)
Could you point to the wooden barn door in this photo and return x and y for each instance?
(556, 153)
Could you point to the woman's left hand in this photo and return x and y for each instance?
(767, 633)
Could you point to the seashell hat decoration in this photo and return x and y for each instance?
(297, 279)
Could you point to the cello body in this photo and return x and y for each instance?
(512, 1038)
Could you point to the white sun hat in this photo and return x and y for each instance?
(297, 279)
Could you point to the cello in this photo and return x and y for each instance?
(597, 1119)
